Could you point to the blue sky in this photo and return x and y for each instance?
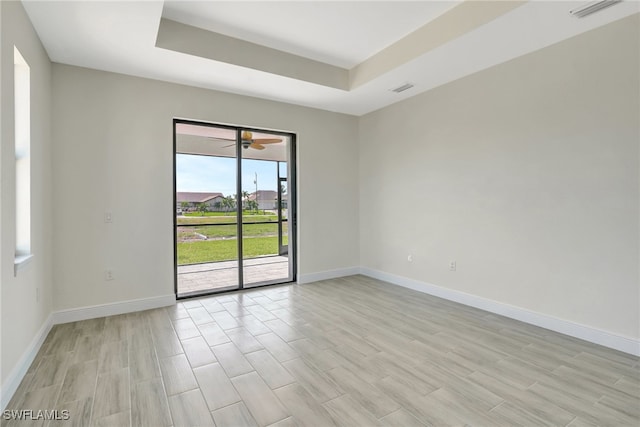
(218, 174)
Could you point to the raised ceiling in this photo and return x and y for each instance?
(332, 55)
(342, 34)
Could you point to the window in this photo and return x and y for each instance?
(22, 114)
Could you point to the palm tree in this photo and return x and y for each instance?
(245, 200)
(283, 191)
(229, 203)
(202, 207)
(217, 205)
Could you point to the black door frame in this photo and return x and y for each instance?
(292, 201)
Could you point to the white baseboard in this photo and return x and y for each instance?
(16, 375)
(102, 310)
(329, 274)
(587, 333)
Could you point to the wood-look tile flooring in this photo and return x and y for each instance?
(347, 352)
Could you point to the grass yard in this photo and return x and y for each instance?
(220, 231)
(224, 219)
(225, 250)
(230, 213)
(198, 213)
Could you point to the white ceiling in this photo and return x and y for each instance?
(121, 37)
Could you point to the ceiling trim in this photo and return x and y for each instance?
(196, 41)
(461, 19)
(457, 21)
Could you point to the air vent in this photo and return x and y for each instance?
(402, 88)
(592, 7)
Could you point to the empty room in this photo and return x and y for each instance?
(320, 213)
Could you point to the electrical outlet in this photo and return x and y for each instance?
(108, 275)
(410, 258)
(108, 217)
(452, 266)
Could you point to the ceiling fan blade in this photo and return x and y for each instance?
(230, 145)
(267, 140)
(256, 146)
(215, 138)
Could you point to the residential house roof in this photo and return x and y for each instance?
(266, 195)
(189, 197)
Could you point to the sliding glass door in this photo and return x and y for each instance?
(264, 259)
(233, 207)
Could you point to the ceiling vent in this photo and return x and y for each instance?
(592, 7)
(402, 88)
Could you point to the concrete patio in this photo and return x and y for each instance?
(215, 276)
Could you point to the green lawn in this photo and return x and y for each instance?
(225, 250)
(229, 213)
(208, 214)
(218, 231)
(224, 219)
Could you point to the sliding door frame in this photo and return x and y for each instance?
(292, 201)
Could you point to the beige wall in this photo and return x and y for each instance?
(22, 314)
(526, 174)
(114, 152)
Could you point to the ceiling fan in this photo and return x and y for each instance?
(248, 141)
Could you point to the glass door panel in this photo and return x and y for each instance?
(206, 229)
(264, 261)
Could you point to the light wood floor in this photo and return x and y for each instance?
(347, 352)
